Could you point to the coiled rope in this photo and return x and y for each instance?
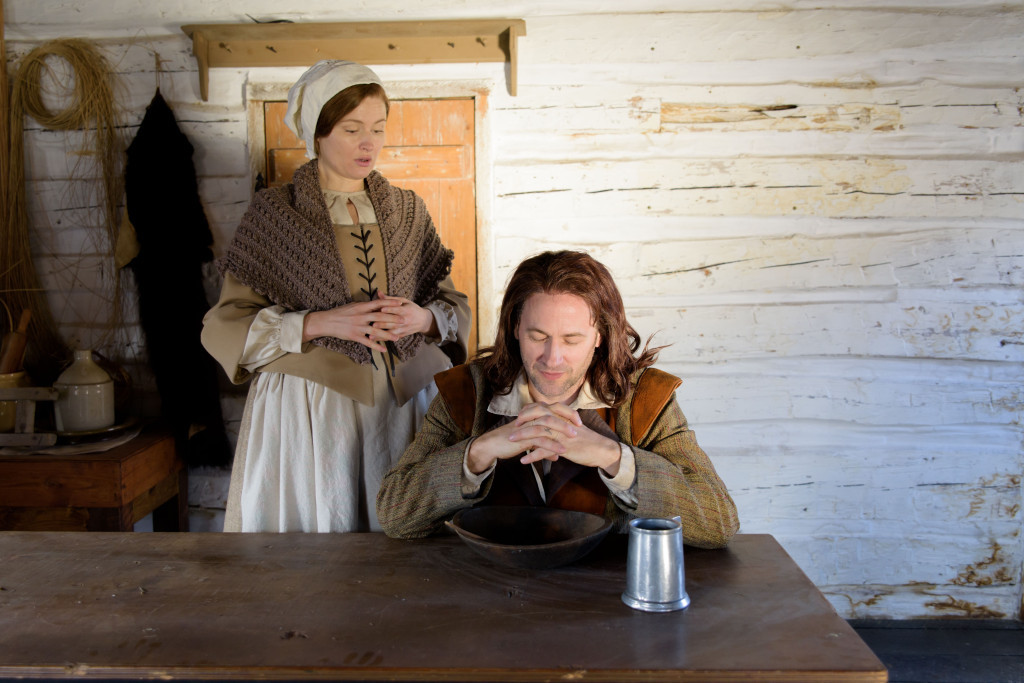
(91, 109)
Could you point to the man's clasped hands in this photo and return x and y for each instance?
(545, 432)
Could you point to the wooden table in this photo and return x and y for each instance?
(108, 491)
(366, 607)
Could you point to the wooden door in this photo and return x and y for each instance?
(429, 150)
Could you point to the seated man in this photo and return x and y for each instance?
(562, 412)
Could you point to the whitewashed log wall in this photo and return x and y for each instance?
(818, 205)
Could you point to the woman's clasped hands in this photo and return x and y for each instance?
(371, 323)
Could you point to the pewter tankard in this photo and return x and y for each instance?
(655, 578)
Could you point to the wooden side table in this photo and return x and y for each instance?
(108, 491)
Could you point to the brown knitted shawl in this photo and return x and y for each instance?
(284, 249)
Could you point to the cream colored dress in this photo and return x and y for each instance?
(309, 457)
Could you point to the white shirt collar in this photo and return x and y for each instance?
(511, 403)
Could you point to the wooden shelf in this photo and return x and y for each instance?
(400, 42)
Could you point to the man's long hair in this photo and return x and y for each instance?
(577, 273)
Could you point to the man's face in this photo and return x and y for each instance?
(557, 338)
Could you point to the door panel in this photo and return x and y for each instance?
(396, 163)
(430, 150)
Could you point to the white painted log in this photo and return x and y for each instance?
(841, 136)
(882, 392)
(923, 102)
(830, 187)
(125, 17)
(754, 36)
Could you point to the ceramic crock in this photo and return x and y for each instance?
(85, 400)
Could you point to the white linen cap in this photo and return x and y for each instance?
(315, 88)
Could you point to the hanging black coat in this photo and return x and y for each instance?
(174, 241)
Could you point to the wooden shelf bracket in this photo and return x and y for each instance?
(401, 42)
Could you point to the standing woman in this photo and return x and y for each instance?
(337, 302)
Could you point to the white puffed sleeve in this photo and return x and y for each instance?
(273, 333)
(447, 322)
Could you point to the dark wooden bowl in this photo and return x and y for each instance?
(529, 537)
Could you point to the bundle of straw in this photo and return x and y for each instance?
(92, 109)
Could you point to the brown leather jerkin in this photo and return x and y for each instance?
(569, 486)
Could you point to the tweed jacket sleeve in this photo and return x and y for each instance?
(425, 488)
(675, 477)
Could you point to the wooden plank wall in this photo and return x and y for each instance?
(818, 206)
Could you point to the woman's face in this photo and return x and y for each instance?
(349, 152)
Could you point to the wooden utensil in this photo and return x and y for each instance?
(12, 351)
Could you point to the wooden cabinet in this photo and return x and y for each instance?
(108, 491)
